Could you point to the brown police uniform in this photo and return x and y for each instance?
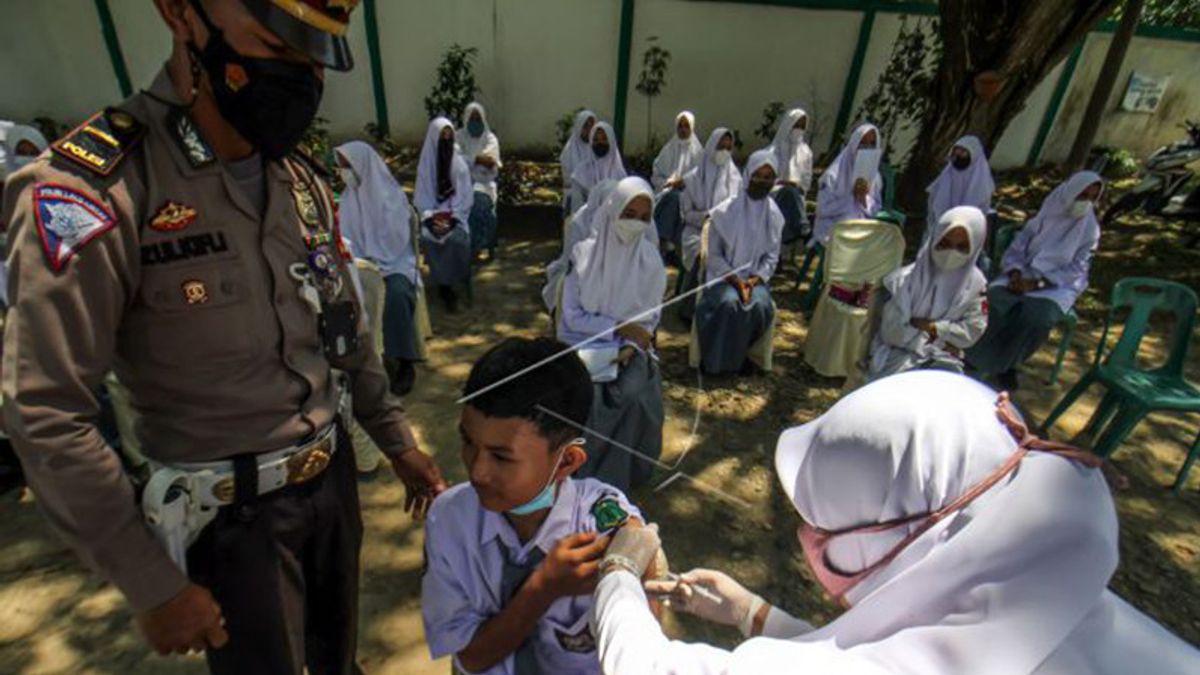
(132, 248)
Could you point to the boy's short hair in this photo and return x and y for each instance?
(562, 386)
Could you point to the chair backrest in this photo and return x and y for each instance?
(702, 258)
(1000, 242)
(863, 251)
(1143, 296)
(887, 173)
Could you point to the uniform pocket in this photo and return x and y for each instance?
(195, 315)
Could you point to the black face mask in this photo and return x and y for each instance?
(961, 163)
(758, 189)
(270, 103)
(600, 150)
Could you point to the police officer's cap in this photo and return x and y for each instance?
(314, 27)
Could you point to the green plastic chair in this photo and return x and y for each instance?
(889, 212)
(1131, 392)
(1000, 243)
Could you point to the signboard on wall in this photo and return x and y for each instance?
(1144, 92)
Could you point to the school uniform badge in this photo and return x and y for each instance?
(67, 220)
(608, 514)
(580, 643)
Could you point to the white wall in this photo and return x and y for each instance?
(540, 59)
(1140, 133)
(729, 60)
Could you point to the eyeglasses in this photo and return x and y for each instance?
(815, 541)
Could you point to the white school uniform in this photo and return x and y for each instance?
(466, 547)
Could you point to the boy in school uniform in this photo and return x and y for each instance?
(512, 556)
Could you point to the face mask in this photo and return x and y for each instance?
(20, 161)
(270, 103)
(758, 189)
(349, 177)
(475, 127)
(545, 498)
(629, 230)
(722, 157)
(600, 150)
(950, 259)
(1080, 208)
(961, 163)
(797, 135)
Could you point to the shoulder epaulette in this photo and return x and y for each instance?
(100, 143)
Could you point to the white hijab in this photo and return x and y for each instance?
(576, 151)
(837, 184)
(426, 192)
(999, 588)
(487, 143)
(931, 293)
(1057, 236)
(678, 156)
(596, 169)
(615, 279)
(374, 214)
(14, 136)
(972, 186)
(795, 159)
(748, 227)
(709, 184)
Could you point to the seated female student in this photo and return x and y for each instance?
(937, 305)
(613, 290)
(1042, 273)
(842, 196)
(603, 163)
(21, 145)
(715, 179)
(375, 217)
(481, 149)
(794, 158)
(956, 541)
(577, 151)
(966, 180)
(743, 249)
(444, 199)
(578, 229)
(679, 156)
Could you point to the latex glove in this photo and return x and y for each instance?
(632, 549)
(726, 601)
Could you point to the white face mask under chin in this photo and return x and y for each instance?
(629, 230)
(797, 135)
(348, 177)
(1080, 208)
(722, 157)
(950, 259)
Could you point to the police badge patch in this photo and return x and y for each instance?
(67, 220)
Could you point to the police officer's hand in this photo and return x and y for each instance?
(422, 481)
(190, 621)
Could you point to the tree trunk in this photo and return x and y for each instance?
(1021, 41)
(1104, 84)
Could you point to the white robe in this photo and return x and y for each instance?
(678, 156)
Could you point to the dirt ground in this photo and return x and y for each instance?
(57, 618)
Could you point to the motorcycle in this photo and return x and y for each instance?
(1160, 192)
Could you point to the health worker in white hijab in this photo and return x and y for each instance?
(481, 149)
(1041, 275)
(444, 198)
(937, 306)
(842, 195)
(614, 290)
(966, 180)
(957, 541)
(677, 158)
(795, 158)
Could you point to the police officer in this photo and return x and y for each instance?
(178, 240)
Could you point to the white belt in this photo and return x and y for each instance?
(214, 481)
